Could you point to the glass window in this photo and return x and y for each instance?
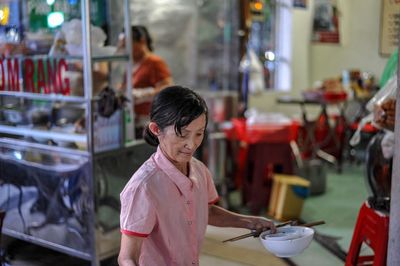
(270, 39)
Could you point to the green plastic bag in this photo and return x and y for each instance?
(390, 68)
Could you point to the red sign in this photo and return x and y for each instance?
(39, 75)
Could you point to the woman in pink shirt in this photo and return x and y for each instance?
(168, 202)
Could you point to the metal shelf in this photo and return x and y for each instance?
(116, 57)
(12, 143)
(30, 132)
(80, 201)
(49, 97)
(113, 58)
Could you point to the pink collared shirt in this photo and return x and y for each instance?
(169, 209)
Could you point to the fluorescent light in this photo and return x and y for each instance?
(269, 55)
(55, 19)
(4, 15)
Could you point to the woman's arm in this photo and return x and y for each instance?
(162, 84)
(147, 94)
(221, 217)
(130, 250)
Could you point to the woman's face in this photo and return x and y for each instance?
(180, 149)
(138, 50)
(137, 47)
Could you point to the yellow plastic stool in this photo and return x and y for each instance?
(287, 197)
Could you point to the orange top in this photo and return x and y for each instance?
(150, 72)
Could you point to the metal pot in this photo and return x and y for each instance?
(39, 117)
(314, 171)
(66, 114)
(14, 114)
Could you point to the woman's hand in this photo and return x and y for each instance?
(143, 95)
(260, 224)
(219, 216)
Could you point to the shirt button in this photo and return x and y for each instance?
(189, 222)
(188, 202)
(193, 263)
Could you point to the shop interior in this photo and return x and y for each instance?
(292, 134)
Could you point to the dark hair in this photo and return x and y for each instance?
(139, 33)
(174, 105)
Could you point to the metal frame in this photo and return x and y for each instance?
(97, 249)
(394, 225)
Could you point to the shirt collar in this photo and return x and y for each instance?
(183, 183)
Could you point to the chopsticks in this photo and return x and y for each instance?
(257, 233)
(312, 224)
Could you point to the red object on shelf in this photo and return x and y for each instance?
(372, 228)
(368, 128)
(334, 96)
(325, 96)
(274, 133)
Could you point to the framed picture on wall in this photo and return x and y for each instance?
(300, 3)
(390, 26)
(325, 22)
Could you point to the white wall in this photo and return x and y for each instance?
(359, 27)
(360, 47)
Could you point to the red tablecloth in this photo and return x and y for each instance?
(272, 133)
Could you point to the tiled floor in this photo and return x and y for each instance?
(338, 207)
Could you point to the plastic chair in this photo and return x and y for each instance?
(372, 228)
(262, 149)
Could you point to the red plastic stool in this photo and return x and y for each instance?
(258, 173)
(261, 148)
(372, 228)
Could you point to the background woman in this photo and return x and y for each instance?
(150, 73)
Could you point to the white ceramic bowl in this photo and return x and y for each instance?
(287, 241)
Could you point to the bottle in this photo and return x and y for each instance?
(347, 85)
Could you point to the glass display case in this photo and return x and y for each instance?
(66, 142)
(200, 42)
